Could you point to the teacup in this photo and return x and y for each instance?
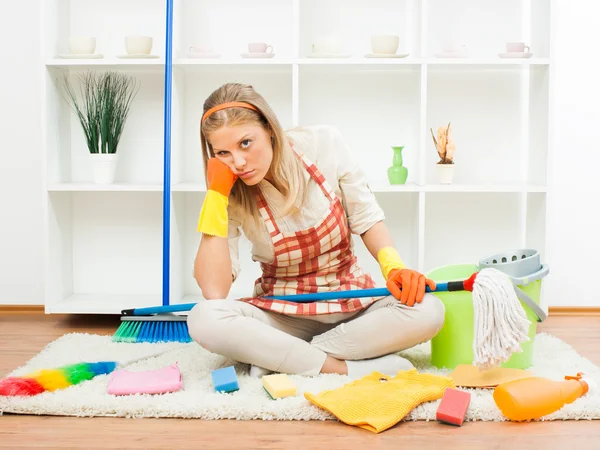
(327, 44)
(82, 45)
(516, 47)
(384, 44)
(138, 45)
(259, 47)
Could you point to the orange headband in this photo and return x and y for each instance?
(228, 105)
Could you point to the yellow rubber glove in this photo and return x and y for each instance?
(404, 284)
(214, 219)
(389, 259)
(378, 402)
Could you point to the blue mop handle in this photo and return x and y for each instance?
(166, 238)
(318, 296)
(298, 298)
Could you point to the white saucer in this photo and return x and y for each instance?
(258, 55)
(90, 56)
(140, 56)
(386, 55)
(515, 55)
(197, 55)
(328, 55)
(451, 55)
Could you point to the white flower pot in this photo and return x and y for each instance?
(445, 173)
(104, 166)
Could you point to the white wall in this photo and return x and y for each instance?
(573, 206)
(21, 192)
(572, 245)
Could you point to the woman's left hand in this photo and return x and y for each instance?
(408, 285)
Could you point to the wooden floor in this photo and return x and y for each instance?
(22, 336)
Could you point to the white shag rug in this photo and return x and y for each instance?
(553, 359)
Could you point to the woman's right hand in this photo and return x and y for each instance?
(220, 177)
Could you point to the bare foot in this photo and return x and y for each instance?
(333, 365)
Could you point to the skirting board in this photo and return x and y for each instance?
(552, 310)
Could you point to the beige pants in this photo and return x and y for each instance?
(300, 345)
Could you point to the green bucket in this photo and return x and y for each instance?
(453, 345)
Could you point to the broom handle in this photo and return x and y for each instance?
(298, 298)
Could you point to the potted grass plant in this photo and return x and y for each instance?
(102, 108)
(445, 147)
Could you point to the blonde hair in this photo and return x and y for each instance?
(286, 169)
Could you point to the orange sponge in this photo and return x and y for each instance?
(453, 406)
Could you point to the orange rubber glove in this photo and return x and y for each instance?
(408, 285)
(220, 177)
(214, 219)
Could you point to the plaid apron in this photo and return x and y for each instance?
(317, 259)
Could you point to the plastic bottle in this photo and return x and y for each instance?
(534, 397)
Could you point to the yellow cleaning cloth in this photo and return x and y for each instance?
(377, 402)
(214, 218)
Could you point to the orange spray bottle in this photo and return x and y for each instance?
(534, 397)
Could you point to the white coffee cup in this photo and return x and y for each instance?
(384, 44)
(82, 45)
(260, 47)
(138, 45)
(200, 48)
(516, 47)
(327, 44)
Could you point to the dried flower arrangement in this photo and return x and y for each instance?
(444, 144)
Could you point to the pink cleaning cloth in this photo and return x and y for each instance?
(158, 381)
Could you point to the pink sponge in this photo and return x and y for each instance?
(453, 407)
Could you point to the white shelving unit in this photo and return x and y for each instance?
(104, 243)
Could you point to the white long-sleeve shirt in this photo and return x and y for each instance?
(326, 148)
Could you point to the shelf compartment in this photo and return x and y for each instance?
(204, 22)
(109, 21)
(353, 23)
(140, 149)
(486, 124)
(462, 228)
(386, 116)
(103, 245)
(489, 28)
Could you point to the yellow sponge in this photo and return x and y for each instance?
(279, 385)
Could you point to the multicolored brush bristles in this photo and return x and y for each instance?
(158, 328)
(52, 379)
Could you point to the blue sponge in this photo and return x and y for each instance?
(225, 379)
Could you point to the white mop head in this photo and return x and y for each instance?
(500, 322)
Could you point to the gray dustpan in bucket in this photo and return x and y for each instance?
(522, 267)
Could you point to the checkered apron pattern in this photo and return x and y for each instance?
(317, 259)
